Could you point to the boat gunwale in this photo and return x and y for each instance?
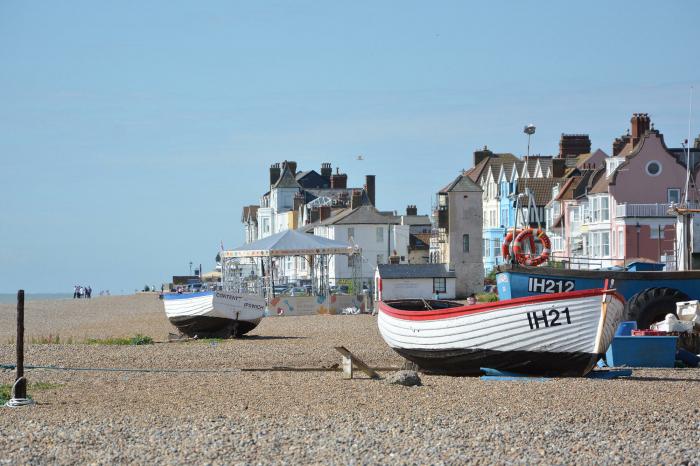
(466, 310)
(198, 294)
(599, 274)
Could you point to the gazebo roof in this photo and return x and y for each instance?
(289, 243)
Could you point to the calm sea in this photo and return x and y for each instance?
(12, 297)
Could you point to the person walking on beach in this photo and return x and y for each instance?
(88, 292)
(75, 291)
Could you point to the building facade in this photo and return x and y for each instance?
(606, 214)
(457, 234)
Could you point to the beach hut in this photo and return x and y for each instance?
(414, 281)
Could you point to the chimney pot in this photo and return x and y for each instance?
(274, 173)
(355, 199)
(370, 183)
(326, 170)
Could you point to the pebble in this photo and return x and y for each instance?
(272, 417)
(405, 378)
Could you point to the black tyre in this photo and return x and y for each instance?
(652, 305)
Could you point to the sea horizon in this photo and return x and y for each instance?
(6, 298)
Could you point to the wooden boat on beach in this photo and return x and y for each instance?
(557, 334)
(214, 314)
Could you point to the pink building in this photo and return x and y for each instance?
(619, 211)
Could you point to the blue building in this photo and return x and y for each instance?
(503, 177)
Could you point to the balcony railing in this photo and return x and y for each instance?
(649, 210)
(643, 210)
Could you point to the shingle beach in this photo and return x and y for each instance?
(230, 416)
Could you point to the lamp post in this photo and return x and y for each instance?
(638, 228)
(529, 130)
(190, 268)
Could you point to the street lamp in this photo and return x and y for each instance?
(638, 228)
(190, 268)
(529, 130)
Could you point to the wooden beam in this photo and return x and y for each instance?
(350, 360)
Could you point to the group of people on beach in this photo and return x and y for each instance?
(80, 291)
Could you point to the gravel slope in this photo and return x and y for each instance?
(315, 417)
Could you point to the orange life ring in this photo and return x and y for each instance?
(529, 259)
(505, 247)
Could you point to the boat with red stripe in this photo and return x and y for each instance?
(561, 334)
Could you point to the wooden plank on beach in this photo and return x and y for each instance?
(350, 360)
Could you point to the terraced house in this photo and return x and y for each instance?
(606, 214)
(505, 179)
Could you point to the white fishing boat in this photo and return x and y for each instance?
(214, 313)
(557, 334)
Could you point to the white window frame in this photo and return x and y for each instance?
(668, 195)
(604, 211)
(605, 244)
(593, 246)
(620, 243)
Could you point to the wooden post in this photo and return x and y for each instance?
(350, 360)
(347, 367)
(22, 387)
(19, 389)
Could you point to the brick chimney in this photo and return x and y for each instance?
(619, 144)
(370, 181)
(324, 212)
(292, 166)
(275, 173)
(411, 210)
(574, 144)
(339, 180)
(640, 123)
(314, 214)
(326, 170)
(356, 199)
(558, 168)
(298, 201)
(480, 155)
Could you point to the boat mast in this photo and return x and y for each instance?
(684, 212)
(687, 147)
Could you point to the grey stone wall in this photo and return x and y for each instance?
(466, 218)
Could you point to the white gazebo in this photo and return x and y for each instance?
(289, 243)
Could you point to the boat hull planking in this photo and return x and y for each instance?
(212, 327)
(470, 361)
(212, 314)
(562, 334)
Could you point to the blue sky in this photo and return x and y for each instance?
(132, 133)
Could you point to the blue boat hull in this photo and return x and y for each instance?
(515, 281)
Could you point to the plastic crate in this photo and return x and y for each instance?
(626, 328)
(642, 351)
